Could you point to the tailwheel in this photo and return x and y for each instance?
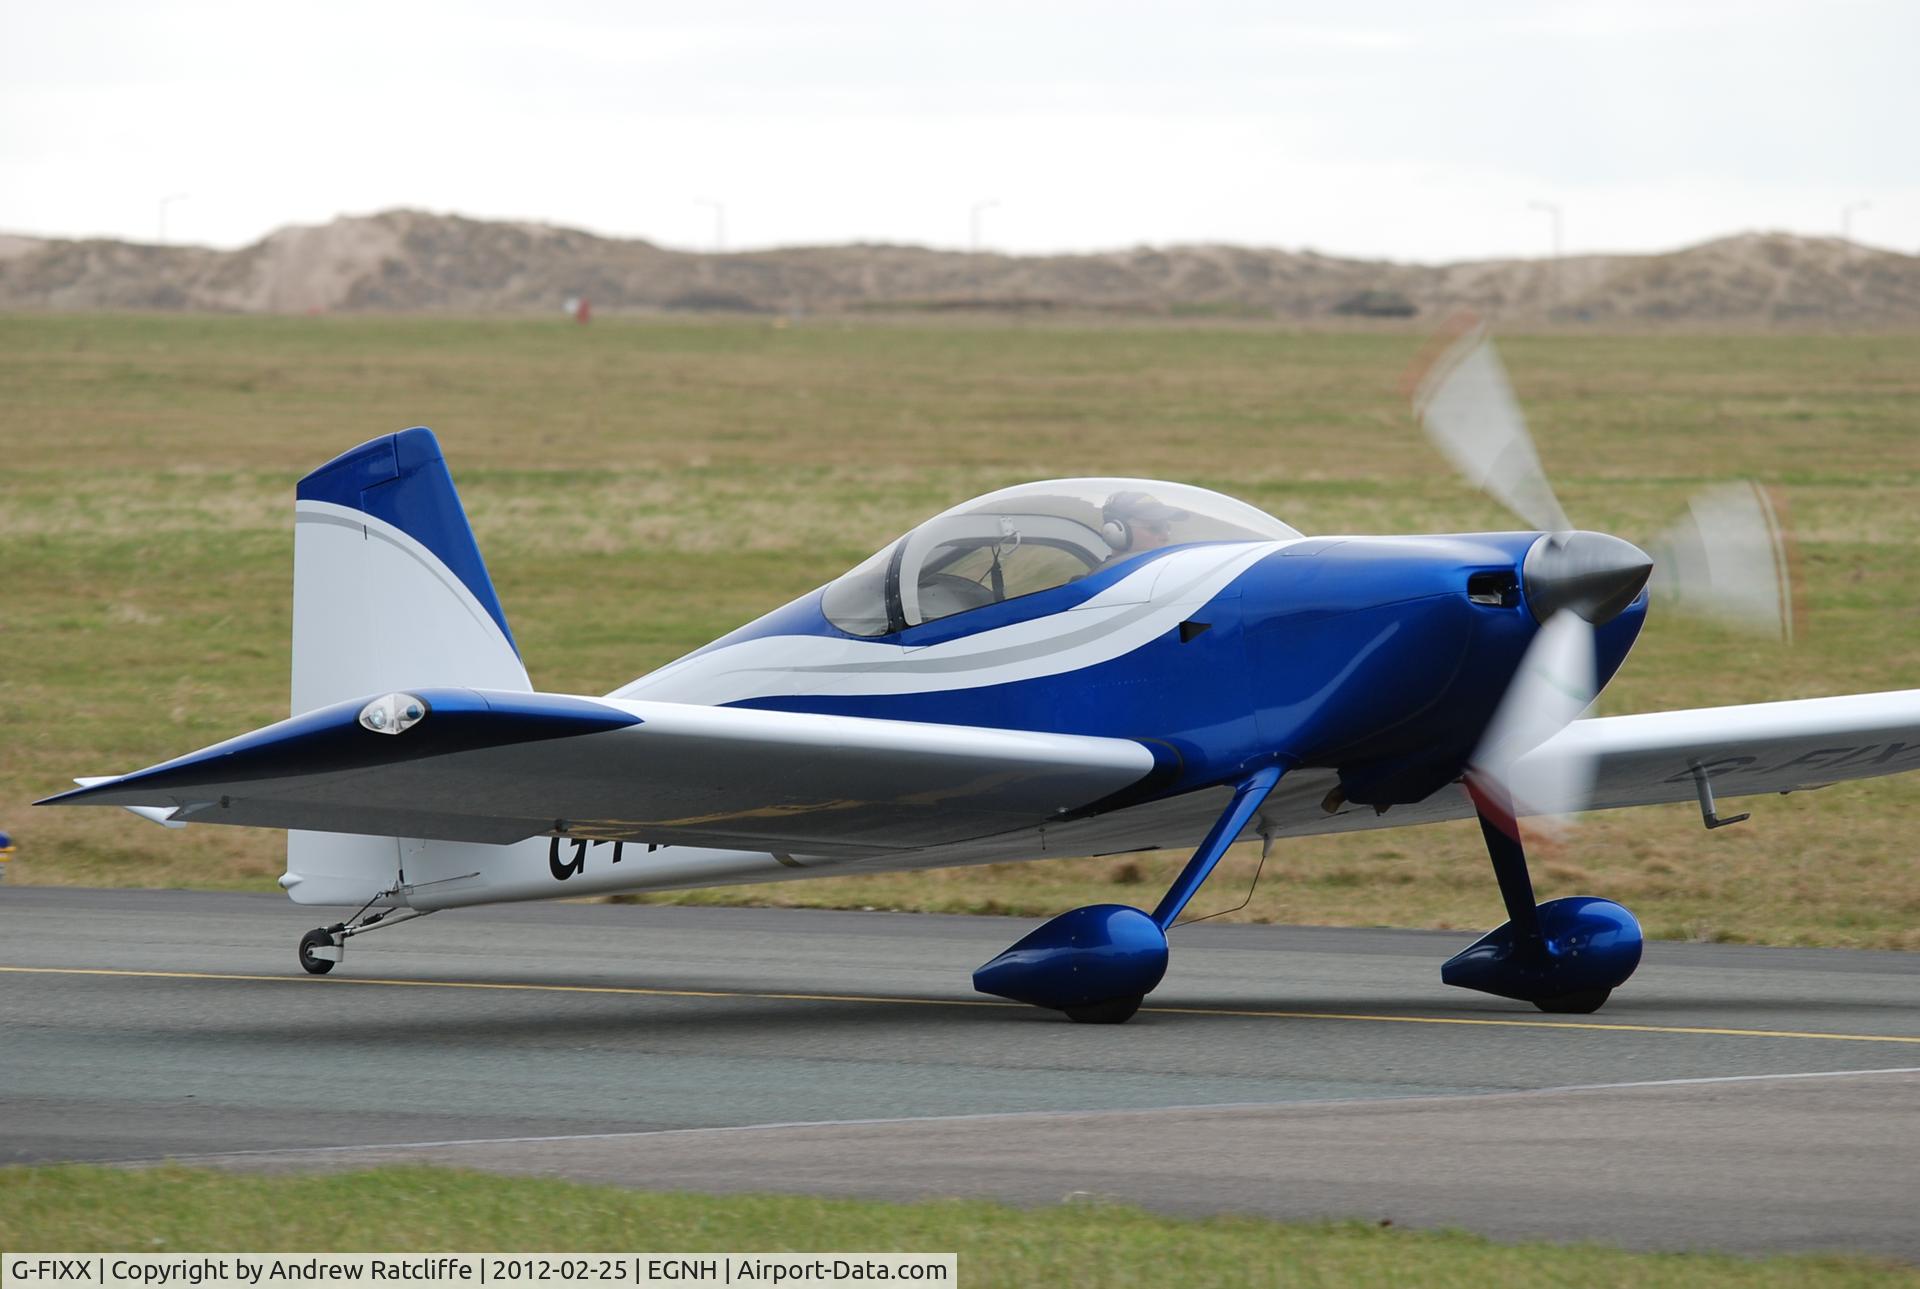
(1582, 1003)
(318, 938)
(1111, 1011)
(325, 946)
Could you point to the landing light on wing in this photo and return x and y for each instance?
(393, 714)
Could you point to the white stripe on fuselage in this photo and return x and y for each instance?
(1139, 608)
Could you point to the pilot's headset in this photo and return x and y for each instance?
(1120, 507)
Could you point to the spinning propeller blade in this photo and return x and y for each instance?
(1467, 406)
(1729, 557)
(1552, 686)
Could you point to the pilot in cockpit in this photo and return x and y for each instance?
(1135, 522)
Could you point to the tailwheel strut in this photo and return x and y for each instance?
(1565, 956)
(324, 947)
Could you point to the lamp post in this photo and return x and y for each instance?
(974, 219)
(164, 203)
(1846, 219)
(719, 221)
(1553, 213)
(975, 216)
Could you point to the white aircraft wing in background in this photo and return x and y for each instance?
(1631, 760)
(1762, 747)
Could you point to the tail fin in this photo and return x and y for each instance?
(389, 589)
(389, 592)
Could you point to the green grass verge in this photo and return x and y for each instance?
(640, 487)
(428, 1209)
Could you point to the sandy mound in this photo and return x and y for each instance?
(412, 261)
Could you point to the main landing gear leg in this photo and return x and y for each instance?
(1097, 964)
(325, 946)
(1562, 956)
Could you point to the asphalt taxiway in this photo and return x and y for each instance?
(1728, 1097)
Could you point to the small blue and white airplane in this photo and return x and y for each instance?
(1077, 667)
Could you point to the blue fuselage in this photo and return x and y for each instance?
(1381, 658)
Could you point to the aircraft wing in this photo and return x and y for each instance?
(498, 767)
(491, 766)
(1762, 747)
(1640, 761)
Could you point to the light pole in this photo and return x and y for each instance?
(164, 203)
(974, 218)
(975, 215)
(719, 221)
(1846, 219)
(1553, 212)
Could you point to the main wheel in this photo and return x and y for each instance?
(1583, 1003)
(1113, 1011)
(312, 940)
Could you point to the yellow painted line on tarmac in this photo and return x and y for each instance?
(894, 1000)
(514, 987)
(1546, 1024)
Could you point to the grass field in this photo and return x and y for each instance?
(425, 1209)
(640, 487)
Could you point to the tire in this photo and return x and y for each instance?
(1113, 1011)
(312, 940)
(1584, 1003)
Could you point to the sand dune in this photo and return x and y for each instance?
(413, 261)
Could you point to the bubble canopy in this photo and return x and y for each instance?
(1031, 538)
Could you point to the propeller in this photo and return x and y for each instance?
(1731, 558)
(1467, 405)
(1728, 557)
(1553, 684)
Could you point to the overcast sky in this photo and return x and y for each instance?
(1367, 127)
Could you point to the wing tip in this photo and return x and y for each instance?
(89, 786)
